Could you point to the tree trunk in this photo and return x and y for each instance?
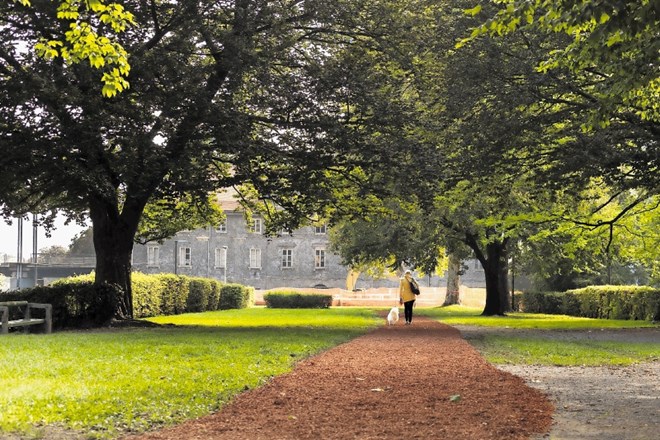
(113, 245)
(496, 279)
(453, 281)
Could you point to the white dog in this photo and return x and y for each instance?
(393, 316)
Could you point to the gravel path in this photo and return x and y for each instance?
(593, 403)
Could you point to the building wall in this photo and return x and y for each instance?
(239, 240)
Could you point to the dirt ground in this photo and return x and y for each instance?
(422, 381)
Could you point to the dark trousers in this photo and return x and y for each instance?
(407, 310)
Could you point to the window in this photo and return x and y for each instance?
(185, 257)
(220, 258)
(153, 256)
(319, 258)
(287, 258)
(221, 228)
(320, 230)
(255, 258)
(256, 225)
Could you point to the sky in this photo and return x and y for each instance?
(59, 237)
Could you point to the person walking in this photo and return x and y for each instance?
(406, 296)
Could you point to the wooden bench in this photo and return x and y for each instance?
(27, 319)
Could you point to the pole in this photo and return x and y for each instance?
(19, 254)
(35, 254)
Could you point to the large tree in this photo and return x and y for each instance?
(221, 93)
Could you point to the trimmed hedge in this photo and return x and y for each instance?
(605, 302)
(78, 303)
(235, 296)
(295, 300)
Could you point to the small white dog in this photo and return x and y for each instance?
(393, 316)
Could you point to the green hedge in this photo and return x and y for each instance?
(78, 303)
(235, 296)
(295, 300)
(606, 302)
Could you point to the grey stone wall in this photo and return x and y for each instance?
(238, 240)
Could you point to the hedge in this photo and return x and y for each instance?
(78, 303)
(606, 302)
(235, 296)
(295, 300)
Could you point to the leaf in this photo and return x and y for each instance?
(455, 398)
(474, 11)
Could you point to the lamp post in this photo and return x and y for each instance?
(224, 277)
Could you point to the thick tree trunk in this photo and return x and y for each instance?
(453, 281)
(113, 244)
(496, 279)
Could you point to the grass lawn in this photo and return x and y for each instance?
(545, 349)
(106, 382)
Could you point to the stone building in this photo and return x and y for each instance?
(238, 252)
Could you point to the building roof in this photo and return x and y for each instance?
(228, 199)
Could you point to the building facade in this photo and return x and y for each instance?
(238, 252)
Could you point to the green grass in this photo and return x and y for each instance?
(541, 351)
(458, 315)
(544, 349)
(108, 382)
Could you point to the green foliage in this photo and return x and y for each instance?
(618, 302)
(175, 293)
(295, 300)
(125, 381)
(77, 302)
(200, 290)
(92, 35)
(603, 302)
(165, 217)
(613, 42)
(147, 295)
(235, 296)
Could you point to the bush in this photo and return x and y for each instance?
(174, 294)
(214, 295)
(147, 295)
(198, 295)
(235, 296)
(541, 302)
(606, 302)
(618, 302)
(77, 303)
(295, 300)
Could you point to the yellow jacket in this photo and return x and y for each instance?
(405, 292)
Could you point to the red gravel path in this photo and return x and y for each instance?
(420, 382)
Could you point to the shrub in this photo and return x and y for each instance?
(77, 303)
(606, 302)
(295, 300)
(235, 296)
(198, 295)
(174, 294)
(541, 302)
(214, 295)
(147, 295)
(618, 302)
